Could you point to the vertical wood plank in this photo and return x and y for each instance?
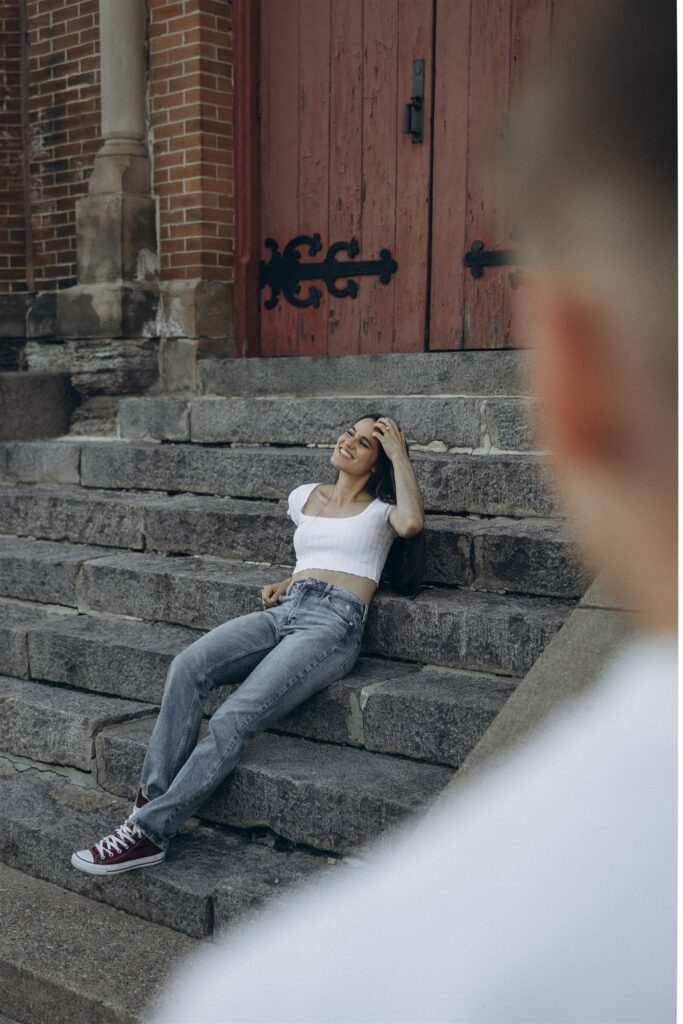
(346, 146)
(565, 12)
(449, 183)
(378, 175)
(314, 143)
(280, 156)
(410, 284)
(530, 50)
(486, 311)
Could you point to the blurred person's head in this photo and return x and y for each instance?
(591, 168)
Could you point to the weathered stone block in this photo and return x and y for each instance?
(328, 797)
(108, 310)
(45, 817)
(41, 570)
(44, 979)
(434, 714)
(56, 725)
(196, 309)
(536, 556)
(40, 461)
(35, 405)
(54, 512)
(460, 628)
(116, 238)
(154, 419)
(41, 319)
(516, 485)
(464, 629)
(452, 422)
(512, 423)
(113, 656)
(462, 372)
(15, 622)
(13, 307)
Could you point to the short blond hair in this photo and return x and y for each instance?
(590, 169)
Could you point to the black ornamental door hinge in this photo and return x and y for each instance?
(284, 272)
(478, 257)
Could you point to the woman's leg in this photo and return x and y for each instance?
(318, 645)
(226, 654)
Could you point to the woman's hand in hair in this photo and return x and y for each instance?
(391, 437)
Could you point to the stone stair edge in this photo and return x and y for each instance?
(203, 592)
(495, 484)
(206, 864)
(42, 980)
(507, 369)
(327, 796)
(381, 705)
(239, 572)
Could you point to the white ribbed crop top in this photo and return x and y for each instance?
(356, 544)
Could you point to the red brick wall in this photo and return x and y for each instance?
(191, 117)
(190, 98)
(12, 234)
(64, 117)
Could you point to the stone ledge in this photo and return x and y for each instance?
(42, 980)
(328, 797)
(534, 556)
(210, 878)
(565, 669)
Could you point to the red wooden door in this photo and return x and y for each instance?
(335, 76)
(335, 160)
(485, 52)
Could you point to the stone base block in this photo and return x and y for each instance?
(13, 307)
(125, 309)
(116, 238)
(35, 405)
(197, 309)
(179, 360)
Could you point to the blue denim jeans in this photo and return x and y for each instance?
(281, 656)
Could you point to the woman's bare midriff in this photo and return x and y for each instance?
(362, 586)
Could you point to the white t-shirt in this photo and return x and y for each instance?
(357, 544)
(543, 890)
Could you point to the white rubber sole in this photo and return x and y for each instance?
(115, 869)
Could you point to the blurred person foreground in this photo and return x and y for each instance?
(545, 888)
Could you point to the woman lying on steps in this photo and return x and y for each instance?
(307, 635)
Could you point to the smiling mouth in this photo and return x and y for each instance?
(344, 454)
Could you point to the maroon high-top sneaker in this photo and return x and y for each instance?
(125, 848)
(140, 801)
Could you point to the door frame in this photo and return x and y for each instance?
(246, 154)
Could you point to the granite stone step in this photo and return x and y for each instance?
(494, 484)
(532, 555)
(460, 628)
(57, 725)
(444, 423)
(325, 796)
(420, 711)
(482, 372)
(15, 620)
(52, 965)
(211, 878)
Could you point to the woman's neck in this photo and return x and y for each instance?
(348, 491)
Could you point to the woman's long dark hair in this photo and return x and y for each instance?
(404, 569)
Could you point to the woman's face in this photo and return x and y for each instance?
(357, 440)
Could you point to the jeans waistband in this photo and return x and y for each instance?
(311, 583)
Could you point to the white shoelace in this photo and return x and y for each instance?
(119, 840)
